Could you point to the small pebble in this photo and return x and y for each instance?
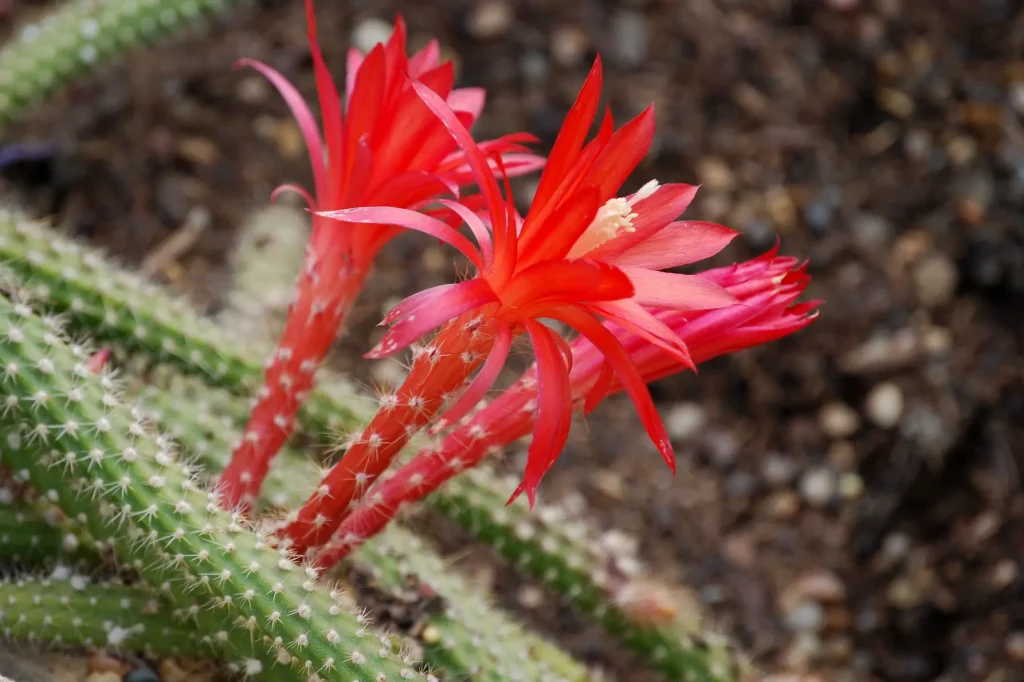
(885, 405)
(1015, 647)
(534, 66)
(370, 32)
(568, 45)
(144, 674)
(805, 616)
(722, 447)
(490, 19)
(778, 469)
(685, 420)
(838, 420)
(820, 586)
(170, 671)
(851, 486)
(101, 662)
(784, 505)
(871, 231)
(107, 676)
(935, 281)
(530, 597)
(1004, 574)
(818, 486)
(630, 39)
(715, 174)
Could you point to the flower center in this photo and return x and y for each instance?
(613, 219)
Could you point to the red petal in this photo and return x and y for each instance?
(623, 153)
(554, 411)
(504, 236)
(353, 60)
(425, 59)
(470, 100)
(677, 244)
(330, 109)
(673, 291)
(458, 299)
(303, 117)
(402, 217)
(634, 317)
(600, 388)
(627, 373)
(570, 138)
(365, 103)
(565, 282)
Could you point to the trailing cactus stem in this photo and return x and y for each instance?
(116, 307)
(83, 448)
(66, 609)
(79, 35)
(28, 538)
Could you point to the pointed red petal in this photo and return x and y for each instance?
(627, 373)
(455, 301)
(570, 138)
(679, 243)
(566, 282)
(673, 291)
(303, 117)
(554, 411)
(402, 217)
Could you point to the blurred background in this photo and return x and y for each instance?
(849, 501)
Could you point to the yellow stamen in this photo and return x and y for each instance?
(613, 219)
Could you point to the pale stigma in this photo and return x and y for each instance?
(613, 219)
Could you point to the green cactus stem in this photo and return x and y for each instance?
(68, 609)
(114, 306)
(72, 437)
(79, 35)
(467, 638)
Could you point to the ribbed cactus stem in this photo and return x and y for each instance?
(79, 35)
(116, 307)
(67, 609)
(82, 447)
(28, 538)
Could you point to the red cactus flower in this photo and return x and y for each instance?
(766, 289)
(386, 149)
(580, 254)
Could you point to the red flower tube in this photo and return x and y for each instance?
(386, 149)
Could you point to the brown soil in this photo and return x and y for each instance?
(849, 502)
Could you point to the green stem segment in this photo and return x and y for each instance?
(81, 34)
(81, 446)
(66, 609)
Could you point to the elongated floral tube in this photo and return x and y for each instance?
(766, 288)
(438, 370)
(385, 149)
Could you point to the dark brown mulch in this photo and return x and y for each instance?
(849, 502)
